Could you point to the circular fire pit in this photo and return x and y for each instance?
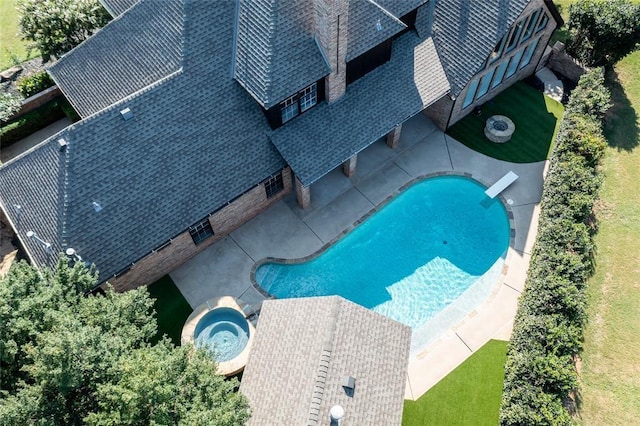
(499, 128)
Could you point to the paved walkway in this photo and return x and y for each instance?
(286, 231)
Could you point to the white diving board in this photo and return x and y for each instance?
(501, 185)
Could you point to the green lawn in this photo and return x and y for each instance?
(537, 118)
(470, 395)
(171, 307)
(10, 42)
(611, 359)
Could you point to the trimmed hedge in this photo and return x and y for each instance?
(540, 376)
(35, 120)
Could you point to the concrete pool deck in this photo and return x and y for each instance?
(337, 202)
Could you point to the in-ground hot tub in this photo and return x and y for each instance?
(220, 325)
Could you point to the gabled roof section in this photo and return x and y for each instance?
(412, 80)
(295, 372)
(117, 7)
(174, 162)
(369, 25)
(399, 8)
(465, 33)
(124, 57)
(276, 52)
(32, 195)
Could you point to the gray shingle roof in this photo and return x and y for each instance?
(276, 52)
(117, 7)
(465, 33)
(318, 141)
(400, 8)
(303, 349)
(174, 162)
(369, 25)
(124, 57)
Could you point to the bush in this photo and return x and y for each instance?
(601, 32)
(9, 105)
(34, 83)
(540, 375)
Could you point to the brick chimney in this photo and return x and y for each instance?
(331, 22)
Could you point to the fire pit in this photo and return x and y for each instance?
(499, 128)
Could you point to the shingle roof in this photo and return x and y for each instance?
(117, 7)
(316, 142)
(276, 52)
(465, 33)
(400, 8)
(369, 25)
(304, 348)
(124, 57)
(154, 175)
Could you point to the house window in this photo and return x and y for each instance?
(528, 54)
(484, 84)
(515, 35)
(543, 22)
(201, 231)
(497, 78)
(533, 20)
(497, 52)
(299, 103)
(308, 97)
(471, 92)
(289, 108)
(274, 185)
(513, 64)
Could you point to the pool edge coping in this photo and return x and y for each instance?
(495, 288)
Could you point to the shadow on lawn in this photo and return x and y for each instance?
(621, 121)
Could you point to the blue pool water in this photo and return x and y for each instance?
(411, 259)
(225, 331)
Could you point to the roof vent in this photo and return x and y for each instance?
(96, 206)
(349, 382)
(63, 143)
(379, 25)
(126, 114)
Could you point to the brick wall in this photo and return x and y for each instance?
(439, 111)
(458, 112)
(331, 22)
(182, 248)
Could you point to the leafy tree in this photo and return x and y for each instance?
(70, 358)
(601, 32)
(57, 26)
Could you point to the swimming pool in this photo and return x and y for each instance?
(439, 239)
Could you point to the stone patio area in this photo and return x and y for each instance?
(337, 202)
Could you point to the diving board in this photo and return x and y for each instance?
(501, 185)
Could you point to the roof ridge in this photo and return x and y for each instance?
(317, 394)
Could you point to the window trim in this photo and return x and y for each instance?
(273, 185)
(201, 231)
(515, 61)
(514, 37)
(498, 76)
(531, 25)
(528, 53)
(485, 84)
(542, 24)
(471, 93)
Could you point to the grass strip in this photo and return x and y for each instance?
(469, 395)
(172, 309)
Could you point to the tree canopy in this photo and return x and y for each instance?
(601, 32)
(70, 358)
(57, 26)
